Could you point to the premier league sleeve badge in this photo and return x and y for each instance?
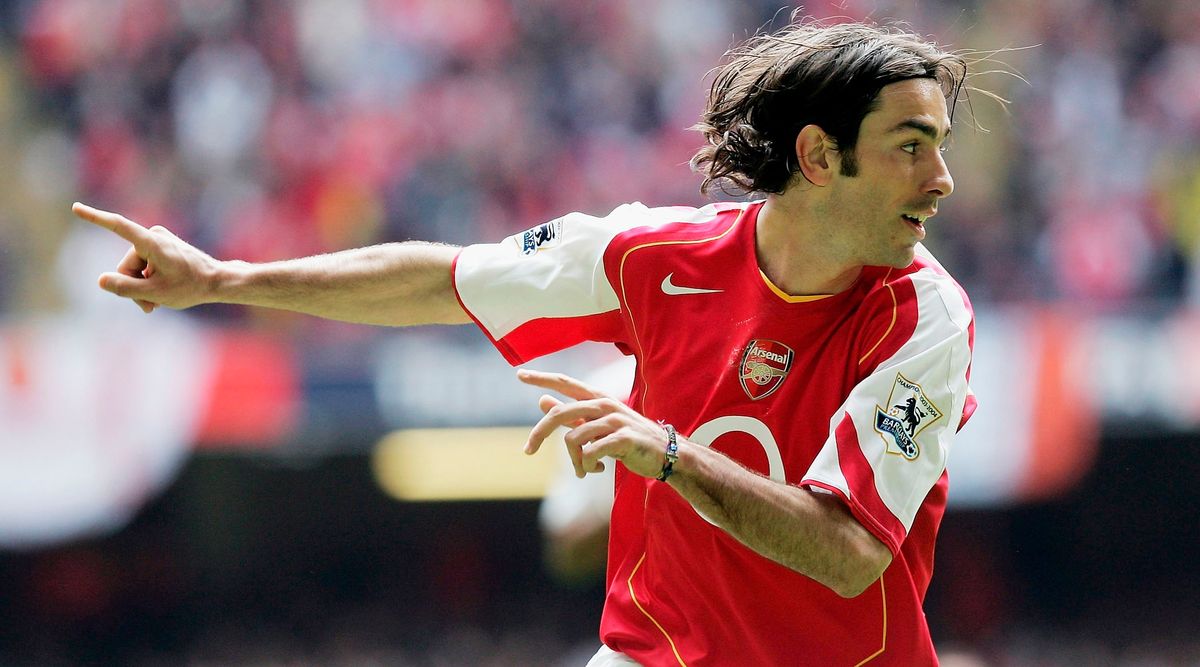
(909, 411)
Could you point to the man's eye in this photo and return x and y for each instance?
(910, 148)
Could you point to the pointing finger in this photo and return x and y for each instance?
(563, 384)
(127, 229)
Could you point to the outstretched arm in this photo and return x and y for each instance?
(811, 533)
(396, 284)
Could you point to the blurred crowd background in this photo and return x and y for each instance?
(265, 129)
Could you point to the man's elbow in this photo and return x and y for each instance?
(864, 568)
(854, 585)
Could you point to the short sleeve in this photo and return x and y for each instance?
(888, 443)
(545, 289)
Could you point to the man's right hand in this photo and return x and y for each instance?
(160, 269)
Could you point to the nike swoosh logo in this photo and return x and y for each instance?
(671, 288)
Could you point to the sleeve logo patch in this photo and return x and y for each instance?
(541, 237)
(909, 413)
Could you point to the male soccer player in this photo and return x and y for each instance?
(802, 361)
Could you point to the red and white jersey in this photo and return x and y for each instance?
(858, 394)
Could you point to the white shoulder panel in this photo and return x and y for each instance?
(907, 411)
(554, 270)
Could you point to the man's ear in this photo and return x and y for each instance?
(815, 151)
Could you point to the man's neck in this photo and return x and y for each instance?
(797, 253)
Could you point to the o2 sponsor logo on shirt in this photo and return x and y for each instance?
(910, 411)
(765, 365)
(540, 237)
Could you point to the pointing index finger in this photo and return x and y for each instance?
(113, 222)
(564, 384)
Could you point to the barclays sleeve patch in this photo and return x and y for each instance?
(539, 238)
(910, 411)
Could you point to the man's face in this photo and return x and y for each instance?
(877, 216)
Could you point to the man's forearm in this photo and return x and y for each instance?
(394, 284)
(809, 532)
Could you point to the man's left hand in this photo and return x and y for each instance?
(600, 426)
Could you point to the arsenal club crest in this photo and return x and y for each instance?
(765, 365)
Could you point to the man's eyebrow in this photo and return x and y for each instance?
(921, 126)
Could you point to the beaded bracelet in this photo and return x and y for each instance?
(672, 453)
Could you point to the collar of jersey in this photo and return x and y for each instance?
(788, 297)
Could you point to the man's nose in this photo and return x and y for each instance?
(940, 182)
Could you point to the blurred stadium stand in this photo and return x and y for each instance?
(198, 488)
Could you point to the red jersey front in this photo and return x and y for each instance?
(858, 394)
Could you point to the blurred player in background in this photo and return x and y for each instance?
(575, 512)
(802, 360)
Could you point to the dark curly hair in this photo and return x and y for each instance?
(809, 73)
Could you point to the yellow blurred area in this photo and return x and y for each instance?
(463, 464)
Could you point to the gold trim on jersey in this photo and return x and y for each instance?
(788, 297)
(642, 609)
(646, 390)
(895, 308)
(883, 642)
